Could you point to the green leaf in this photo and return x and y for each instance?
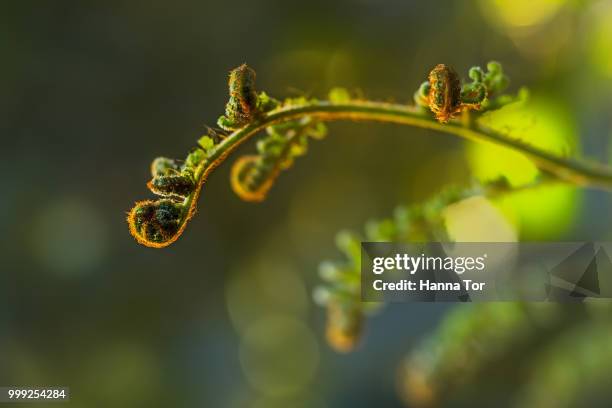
(195, 158)
(339, 95)
(206, 142)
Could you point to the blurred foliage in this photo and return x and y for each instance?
(548, 126)
(537, 355)
(464, 215)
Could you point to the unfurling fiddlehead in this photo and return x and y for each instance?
(446, 97)
(289, 124)
(154, 222)
(252, 176)
(341, 295)
(157, 223)
(242, 105)
(169, 180)
(341, 292)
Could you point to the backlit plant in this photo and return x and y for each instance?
(492, 332)
(442, 103)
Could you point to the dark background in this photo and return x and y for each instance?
(92, 92)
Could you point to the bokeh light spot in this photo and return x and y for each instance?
(475, 219)
(262, 288)
(600, 39)
(521, 13)
(69, 237)
(279, 355)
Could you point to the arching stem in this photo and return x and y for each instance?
(564, 169)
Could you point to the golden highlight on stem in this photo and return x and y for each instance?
(564, 169)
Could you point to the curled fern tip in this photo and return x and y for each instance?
(290, 125)
(155, 223)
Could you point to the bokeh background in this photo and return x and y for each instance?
(93, 91)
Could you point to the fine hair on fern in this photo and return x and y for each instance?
(443, 103)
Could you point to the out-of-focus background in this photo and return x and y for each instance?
(93, 91)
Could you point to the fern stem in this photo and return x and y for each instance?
(565, 169)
